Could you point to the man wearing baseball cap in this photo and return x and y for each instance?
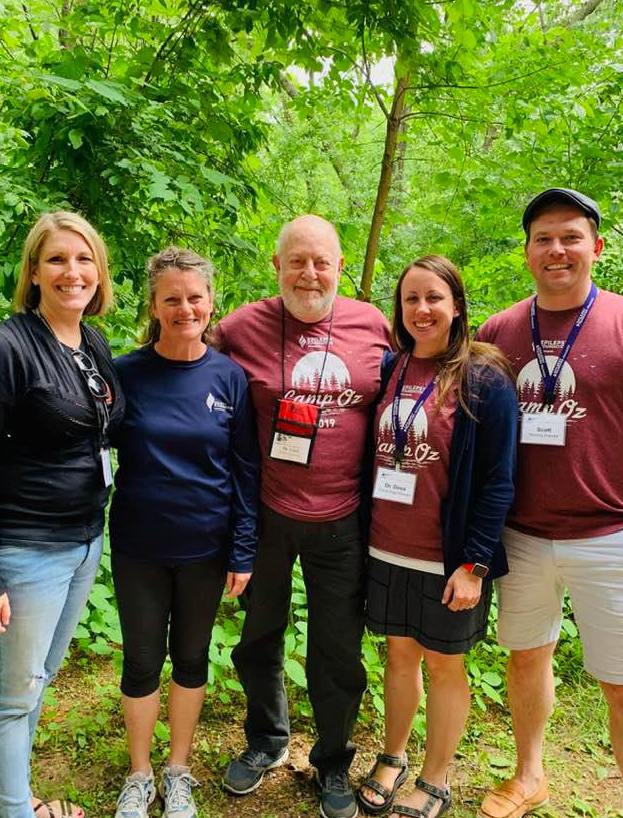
(565, 530)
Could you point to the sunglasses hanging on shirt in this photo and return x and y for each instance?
(100, 392)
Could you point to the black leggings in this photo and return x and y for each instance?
(151, 595)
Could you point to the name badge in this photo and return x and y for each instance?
(294, 431)
(396, 486)
(543, 429)
(106, 466)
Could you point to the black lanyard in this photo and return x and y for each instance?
(100, 405)
(550, 380)
(283, 353)
(401, 434)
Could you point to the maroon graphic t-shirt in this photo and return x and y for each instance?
(329, 488)
(413, 530)
(576, 490)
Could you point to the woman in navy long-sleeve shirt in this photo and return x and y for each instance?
(183, 517)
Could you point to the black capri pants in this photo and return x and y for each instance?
(154, 599)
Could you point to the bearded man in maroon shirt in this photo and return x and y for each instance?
(565, 529)
(313, 361)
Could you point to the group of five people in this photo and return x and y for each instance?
(389, 474)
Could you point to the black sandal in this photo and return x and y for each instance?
(387, 795)
(434, 793)
(66, 809)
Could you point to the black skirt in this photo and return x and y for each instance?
(406, 602)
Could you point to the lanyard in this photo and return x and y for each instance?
(550, 380)
(101, 408)
(401, 434)
(283, 353)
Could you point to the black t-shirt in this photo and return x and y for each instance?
(51, 481)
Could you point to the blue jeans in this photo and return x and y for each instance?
(48, 585)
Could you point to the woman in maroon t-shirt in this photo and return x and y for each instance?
(426, 589)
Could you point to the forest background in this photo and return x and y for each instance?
(415, 126)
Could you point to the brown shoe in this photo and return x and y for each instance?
(509, 800)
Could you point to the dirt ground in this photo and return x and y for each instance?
(584, 781)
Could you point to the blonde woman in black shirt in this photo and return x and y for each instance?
(59, 400)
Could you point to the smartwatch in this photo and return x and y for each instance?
(476, 568)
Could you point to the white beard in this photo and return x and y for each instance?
(311, 306)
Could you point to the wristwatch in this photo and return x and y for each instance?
(476, 568)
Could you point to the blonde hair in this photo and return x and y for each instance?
(175, 258)
(27, 293)
(454, 362)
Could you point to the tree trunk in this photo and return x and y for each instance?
(391, 136)
(398, 186)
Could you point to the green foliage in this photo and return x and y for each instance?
(210, 125)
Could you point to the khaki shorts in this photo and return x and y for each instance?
(530, 596)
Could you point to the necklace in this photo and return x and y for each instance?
(42, 317)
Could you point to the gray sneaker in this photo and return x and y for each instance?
(176, 791)
(337, 799)
(246, 772)
(138, 792)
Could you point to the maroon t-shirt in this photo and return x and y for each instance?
(576, 490)
(414, 530)
(329, 488)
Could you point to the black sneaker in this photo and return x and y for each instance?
(245, 773)
(337, 800)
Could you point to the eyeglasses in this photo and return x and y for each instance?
(96, 384)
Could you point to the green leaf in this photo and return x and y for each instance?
(159, 190)
(469, 39)
(474, 670)
(100, 647)
(53, 79)
(492, 679)
(216, 177)
(75, 137)
(498, 761)
(491, 693)
(161, 731)
(107, 89)
(296, 672)
(299, 599)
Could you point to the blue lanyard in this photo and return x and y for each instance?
(550, 380)
(401, 434)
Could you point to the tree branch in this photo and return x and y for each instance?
(582, 13)
(433, 86)
(373, 87)
(26, 15)
(194, 6)
(452, 116)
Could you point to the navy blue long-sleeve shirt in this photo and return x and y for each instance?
(188, 478)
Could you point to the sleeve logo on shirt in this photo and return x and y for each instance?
(217, 405)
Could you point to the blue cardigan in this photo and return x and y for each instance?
(481, 470)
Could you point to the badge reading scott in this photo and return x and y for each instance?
(294, 431)
(543, 428)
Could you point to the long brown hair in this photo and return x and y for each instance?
(175, 258)
(454, 362)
